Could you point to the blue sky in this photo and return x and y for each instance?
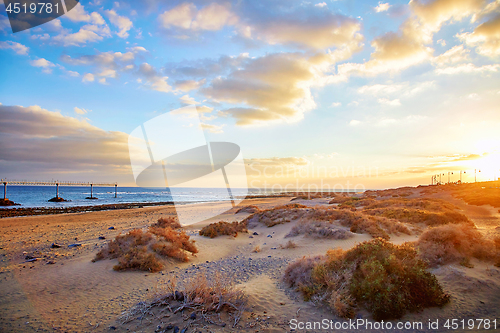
(409, 89)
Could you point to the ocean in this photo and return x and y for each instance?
(38, 196)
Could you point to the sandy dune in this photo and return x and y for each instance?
(72, 294)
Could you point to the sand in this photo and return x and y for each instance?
(64, 291)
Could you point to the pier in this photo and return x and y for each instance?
(56, 183)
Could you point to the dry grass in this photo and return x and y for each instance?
(248, 209)
(319, 229)
(289, 245)
(276, 215)
(206, 296)
(139, 250)
(387, 279)
(485, 193)
(223, 228)
(456, 244)
(167, 222)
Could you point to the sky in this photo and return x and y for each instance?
(317, 94)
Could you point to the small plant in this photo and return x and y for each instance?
(167, 222)
(256, 249)
(223, 228)
(386, 279)
(455, 244)
(289, 245)
(139, 250)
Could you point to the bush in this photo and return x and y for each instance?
(204, 296)
(455, 243)
(288, 245)
(139, 250)
(223, 228)
(387, 279)
(248, 209)
(319, 229)
(167, 222)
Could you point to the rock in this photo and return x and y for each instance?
(50, 262)
(250, 236)
(255, 233)
(178, 295)
(269, 236)
(193, 316)
(111, 228)
(184, 330)
(31, 260)
(55, 246)
(169, 327)
(91, 198)
(7, 202)
(74, 245)
(176, 329)
(112, 328)
(102, 237)
(28, 257)
(58, 199)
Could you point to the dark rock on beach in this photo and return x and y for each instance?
(7, 202)
(58, 199)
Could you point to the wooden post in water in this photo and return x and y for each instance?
(116, 185)
(57, 190)
(91, 190)
(5, 190)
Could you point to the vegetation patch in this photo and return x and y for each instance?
(223, 228)
(388, 280)
(487, 193)
(140, 250)
(319, 229)
(460, 243)
(211, 299)
(167, 222)
(248, 209)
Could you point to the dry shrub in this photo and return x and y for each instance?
(256, 249)
(387, 279)
(455, 243)
(289, 245)
(167, 222)
(276, 215)
(139, 250)
(319, 229)
(205, 295)
(485, 193)
(248, 209)
(223, 228)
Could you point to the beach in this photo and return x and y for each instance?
(63, 291)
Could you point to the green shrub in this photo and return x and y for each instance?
(387, 279)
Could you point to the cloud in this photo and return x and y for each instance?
(87, 34)
(453, 55)
(216, 129)
(436, 12)
(335, 104)
(382, 7)
(155, 81)
(186, 16)
(16, 47)
(278, 161)
(486, 37)
(188, 100)
(314, 31)
(123, 23)
(89, 77)
(188, 85)
(402, 89)
(275, 87)
(468, 69)
(80, 111)
(321, 5)
(43, 63)
(354, 122)
(78, 14)
(394, 102)
(42, 141)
